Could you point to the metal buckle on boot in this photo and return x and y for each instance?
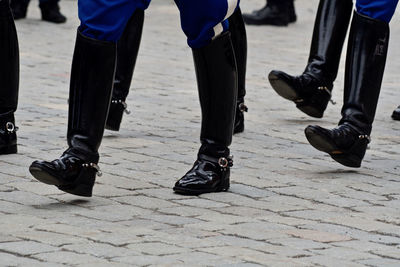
(243, 107)
(94, 166)
(364, 136)
(11, 128)
(225, 162)
(324, 88)
(123, 103)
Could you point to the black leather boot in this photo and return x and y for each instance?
(127, 51)
(275, 12)
(365, 65)
(239, 41)
(311, 91)
(51, 12)
(92, 75)
(8, 137)
(9, 79)
(19, 8)
(396, 114)
(217, 83)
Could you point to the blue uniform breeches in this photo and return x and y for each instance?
(201, 20)
(377, 9)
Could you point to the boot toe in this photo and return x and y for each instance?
(396, 114)
(41, 171)
(282, 83)
(320, 139)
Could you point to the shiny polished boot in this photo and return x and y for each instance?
(127, 51)
(312, 90)
(92, 76)
(239, 41)
(365, 65)
(51, 12)
(8, 136)
(345, 143)
(9, 80)
(275, 12)
(396, 114)
(216, 73)
(19, 8)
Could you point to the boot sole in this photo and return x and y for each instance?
(82, 190)
(325, 145)
(286, 91)
(193, 192)
(9, 150)
(43, 176)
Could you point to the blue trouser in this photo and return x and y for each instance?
(201, 20)
(377, 9)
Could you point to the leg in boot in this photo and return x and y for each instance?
(239, 41)
(19, 8)
(9, 80)
(216, 72)
(365, 64)
(275, 12)
(127, 51)
(311, 91)
(92, 77)
(51, 11)
(217, 81)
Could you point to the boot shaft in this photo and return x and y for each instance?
(365, 65)
(330, 30)
(8, 136)
(92, 76)
(239, 41)
(216, 72)
(127, 51)
(9, 59)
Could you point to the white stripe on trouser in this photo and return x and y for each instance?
(232, 4)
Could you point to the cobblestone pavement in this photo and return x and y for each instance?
(289, 205)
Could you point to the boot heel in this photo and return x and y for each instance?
(8, 150)
(349, 160)
(83, 185)
(82, 190)
(224, 186)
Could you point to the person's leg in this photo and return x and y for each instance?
(92, 76)
(51, 11)
(127, 51)
(365, 64)
(275, 12)
(9, 79)
(204, 23)
(311, 91)
(19, 8)
(128, 47)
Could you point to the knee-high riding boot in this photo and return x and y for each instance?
(9, 79)
(92, 76)
(239, 41)
(311, 91)
(216, 73)
(365, 65)
(127, 51)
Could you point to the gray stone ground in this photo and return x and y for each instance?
(289, 205)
